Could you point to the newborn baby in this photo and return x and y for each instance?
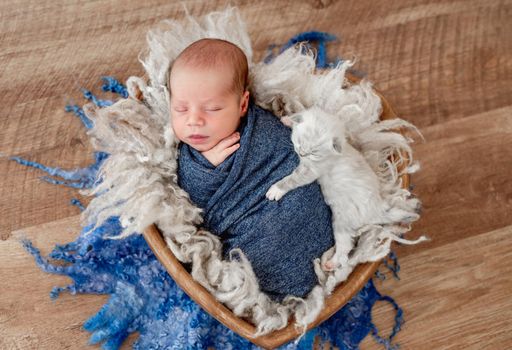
(231, 152)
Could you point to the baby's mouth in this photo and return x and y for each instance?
(197, 138)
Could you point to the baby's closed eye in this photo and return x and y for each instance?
(213, 109)
(180, 109)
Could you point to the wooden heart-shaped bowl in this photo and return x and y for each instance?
(340, 296)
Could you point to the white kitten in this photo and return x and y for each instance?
(349, 185)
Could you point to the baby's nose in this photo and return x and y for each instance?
(195, 119)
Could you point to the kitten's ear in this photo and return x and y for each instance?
(337, 143)
(296, 118)
(287, 121)
(291, 120)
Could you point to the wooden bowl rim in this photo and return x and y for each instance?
(340, 296)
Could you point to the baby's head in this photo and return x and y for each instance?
(208, 85)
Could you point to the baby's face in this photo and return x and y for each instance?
(204, 110)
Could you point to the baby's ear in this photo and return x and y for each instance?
(244, 103)
(337, 144)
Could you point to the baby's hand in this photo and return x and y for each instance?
(223, 149)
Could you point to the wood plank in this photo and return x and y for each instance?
(456, 296)
(444, 65)
(29, 318)
(439, 61)
(27, 200)
(421, 53)
(464, 182)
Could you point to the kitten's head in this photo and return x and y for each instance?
(316, 134)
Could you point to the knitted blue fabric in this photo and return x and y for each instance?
(280, 238)
(144, 299)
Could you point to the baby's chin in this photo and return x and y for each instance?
(200, 147)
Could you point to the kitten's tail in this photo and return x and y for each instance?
(375, 242)
(400, 207)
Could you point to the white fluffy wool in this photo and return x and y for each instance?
(139, 181)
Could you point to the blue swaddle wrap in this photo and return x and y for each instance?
(280, 239)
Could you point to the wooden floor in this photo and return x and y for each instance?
(446, 66)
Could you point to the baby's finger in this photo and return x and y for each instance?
(230, 150)
(228, 141)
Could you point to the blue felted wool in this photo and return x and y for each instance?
(280, 239)
(145, 299)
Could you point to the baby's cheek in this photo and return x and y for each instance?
(177, 130)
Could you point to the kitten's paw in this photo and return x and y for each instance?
(274, 193)
(335, 263)
(329, 265)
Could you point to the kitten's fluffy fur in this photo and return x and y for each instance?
(349, 185)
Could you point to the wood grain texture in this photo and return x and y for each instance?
(470, 191)
(28, 318)
(466, 302)
(444, 65)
